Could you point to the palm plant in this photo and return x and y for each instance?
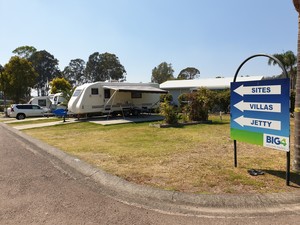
(288, 60)
(297, 101)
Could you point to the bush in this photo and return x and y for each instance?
(183, 101)
(222, 100)
(166, 97)
(199, 104)
(169, 112)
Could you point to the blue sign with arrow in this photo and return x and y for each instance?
(260, 112)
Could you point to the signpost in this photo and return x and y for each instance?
(260, 113)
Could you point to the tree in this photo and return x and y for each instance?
(1, 70)
(47, 68)
(188, 73)
(106, 66)
(288, 60)
(17, 78)
(2, 83)
(60, 85)
(3, 86)
(24, 51)
(297, 100)
(162, 73)
(75, 72)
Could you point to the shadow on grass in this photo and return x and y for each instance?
(294, 177)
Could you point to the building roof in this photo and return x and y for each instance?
(210, 83)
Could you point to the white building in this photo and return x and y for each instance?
(178, 87)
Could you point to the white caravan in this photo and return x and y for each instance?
(43, 101)
(57, 99)
(49, 103)
(114, 98)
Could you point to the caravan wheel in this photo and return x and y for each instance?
(136, 112)
(114, 114)
(126, 113)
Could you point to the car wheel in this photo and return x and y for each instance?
(21, 116)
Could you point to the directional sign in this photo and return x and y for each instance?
(260, 113)
(258, 90)
(253, 122)
(258, 106)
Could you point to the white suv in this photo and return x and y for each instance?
(21, 111)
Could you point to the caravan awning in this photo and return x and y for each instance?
(145, 89)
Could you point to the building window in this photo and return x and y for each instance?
(136, 94)
(106, 93)
(95, 91)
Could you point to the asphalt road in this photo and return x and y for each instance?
(37, 188)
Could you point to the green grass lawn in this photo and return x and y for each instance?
(196, 159)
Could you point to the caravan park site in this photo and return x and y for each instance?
(193, 159)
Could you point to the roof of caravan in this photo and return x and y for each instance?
(109, 84)
(210, 83)
(123, 86)
(136, 88)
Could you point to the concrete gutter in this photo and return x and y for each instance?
(172, 202)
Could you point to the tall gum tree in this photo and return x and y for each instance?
(297, 100)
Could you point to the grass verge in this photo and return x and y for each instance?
(32, 121)
(195, 159)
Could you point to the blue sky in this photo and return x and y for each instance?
(213, 36)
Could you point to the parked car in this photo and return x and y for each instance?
(21, 111)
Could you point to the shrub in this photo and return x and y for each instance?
(222, 100)
(166, 97)
(169, 112)
(183, 101)
(199, 104)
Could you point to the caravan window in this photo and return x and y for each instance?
(106, 93)
(76, 92)
(95, 91)
(42, 102)
(136, 94)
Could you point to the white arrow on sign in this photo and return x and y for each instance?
(260, 123)
(258, 90)
(258, 106)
